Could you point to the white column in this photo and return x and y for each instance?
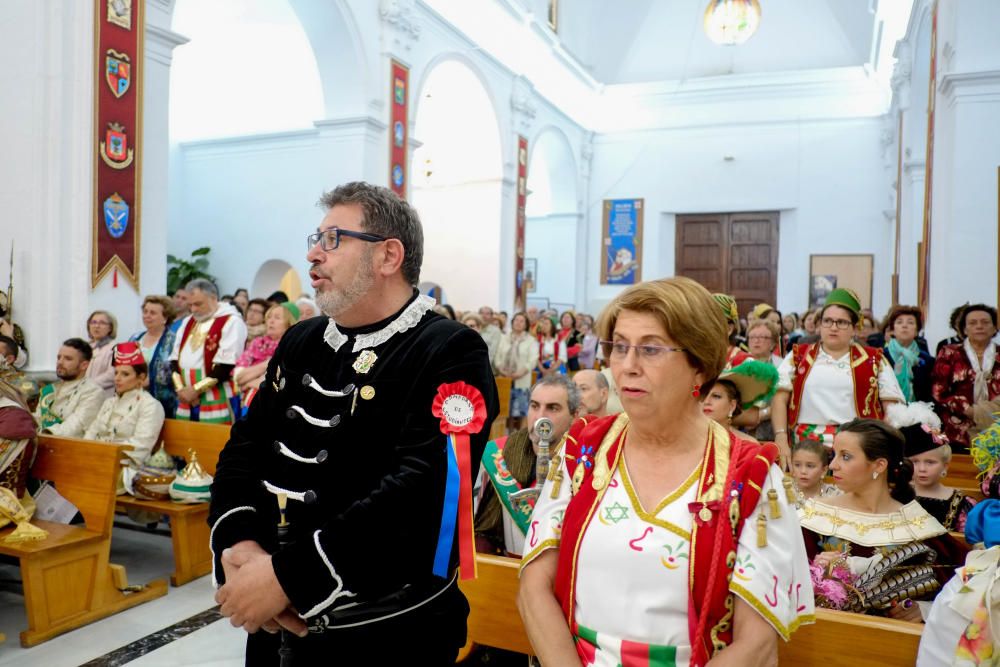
(966, 154)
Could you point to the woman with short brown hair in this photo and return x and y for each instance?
(642, 533)
(156, 342)
(911, 362)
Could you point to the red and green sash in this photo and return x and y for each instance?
(505, 484)
(865, 365)
(733, 472)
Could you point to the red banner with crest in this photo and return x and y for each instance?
(118, 65)
(520, 285)
(398, 132)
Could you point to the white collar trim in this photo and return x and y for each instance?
(407, 319)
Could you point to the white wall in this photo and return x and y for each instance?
(46, 106)
(825, 178)
(551, 239)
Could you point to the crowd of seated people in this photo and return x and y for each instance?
(854, 418)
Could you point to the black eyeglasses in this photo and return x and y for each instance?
(330, 238)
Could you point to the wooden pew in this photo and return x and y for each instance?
(68, 581)
(963, 474)
(837, 639)
(189, 530)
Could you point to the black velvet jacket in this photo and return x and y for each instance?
(374, 483)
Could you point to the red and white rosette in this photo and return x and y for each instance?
(462, 411)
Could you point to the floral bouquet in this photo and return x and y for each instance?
(834, 585)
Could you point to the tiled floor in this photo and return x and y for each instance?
(146, 557)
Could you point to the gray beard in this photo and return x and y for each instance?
(334, 303)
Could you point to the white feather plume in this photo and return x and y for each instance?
(900, 415)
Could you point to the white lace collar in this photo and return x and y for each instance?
(909, 523)
(407, 319)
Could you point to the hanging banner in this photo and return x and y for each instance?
(118, 71)
(520, 284)
(622, 235)
(400, 94)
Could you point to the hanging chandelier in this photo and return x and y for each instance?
(731, 22)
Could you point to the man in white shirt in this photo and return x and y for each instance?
(67, 407)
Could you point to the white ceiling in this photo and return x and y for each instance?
(632, 41)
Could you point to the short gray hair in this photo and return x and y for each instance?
(564, 381)
(387, 215)
(206, 286)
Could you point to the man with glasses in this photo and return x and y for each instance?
(208, 343)
(345, 429)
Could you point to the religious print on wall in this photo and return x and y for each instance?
(118, 36)
(399, 105)
(621, 263)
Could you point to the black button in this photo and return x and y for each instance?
(321, 456)
(309, 497)
(348, 389)
(306, 379)
(335, 420)
(291, 414)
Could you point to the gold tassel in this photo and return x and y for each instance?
(789, 485)
(554, 466)
(734, 511)
(772, 503)
(556, 483)
(761, 530)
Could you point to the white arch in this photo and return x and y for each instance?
(552, 174)
(456, 181)
(336, 42)
(274, 275)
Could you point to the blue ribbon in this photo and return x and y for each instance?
(449, 514)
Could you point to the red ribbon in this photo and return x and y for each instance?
(462, 411)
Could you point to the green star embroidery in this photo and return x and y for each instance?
(615, 513)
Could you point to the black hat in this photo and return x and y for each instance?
(921, 438)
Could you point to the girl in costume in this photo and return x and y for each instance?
(723, 400)
(658, 532)
(571, 339)
(899, 553)
(825, 384)
(929, 452)
(810, 463)
(132, 416)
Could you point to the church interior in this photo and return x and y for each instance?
(557, 151)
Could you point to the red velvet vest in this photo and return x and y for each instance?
(865, 365)
(211, 340)
(732, 475)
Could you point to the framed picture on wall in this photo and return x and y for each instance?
(530, 274)
(539, 302)
(827, 272)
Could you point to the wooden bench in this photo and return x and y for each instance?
(963, 474)
(68, 580)
(837, 639)
(189, 530)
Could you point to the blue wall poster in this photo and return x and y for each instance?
(621, 263)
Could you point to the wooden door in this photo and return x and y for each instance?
(733, 253)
